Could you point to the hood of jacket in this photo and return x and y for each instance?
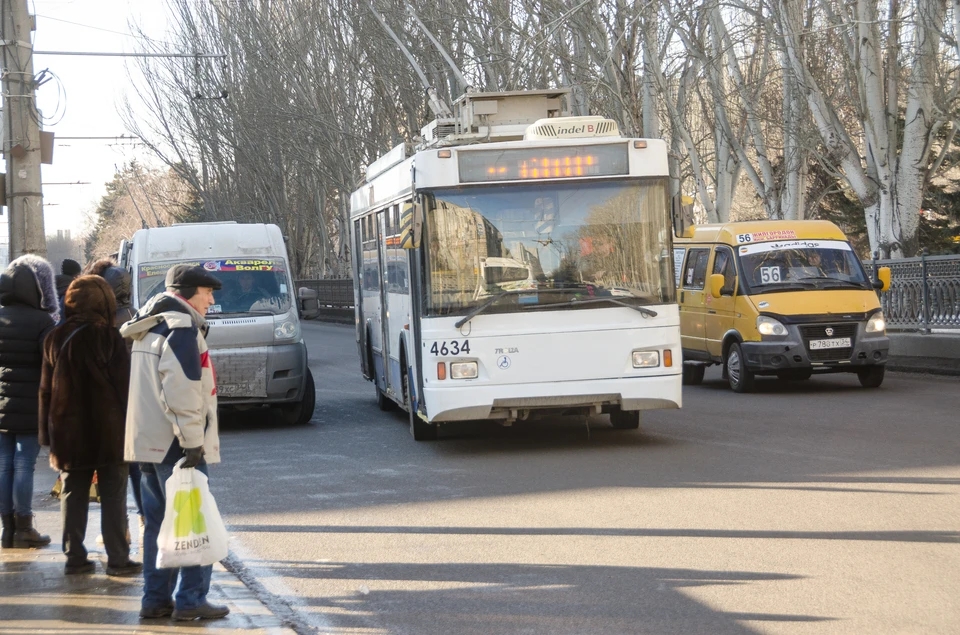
(117, 277)
(119, 281)
(90, 299)
(62, 281)
(164, 307)
(29, 280)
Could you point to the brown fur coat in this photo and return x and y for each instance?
(84, 381)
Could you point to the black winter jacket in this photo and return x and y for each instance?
(23, 326)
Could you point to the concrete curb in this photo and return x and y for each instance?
(934, 353)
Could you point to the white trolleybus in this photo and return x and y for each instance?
(518, 263)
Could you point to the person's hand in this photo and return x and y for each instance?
(192, 456)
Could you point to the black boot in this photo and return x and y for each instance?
(26, 537)
(6, 540)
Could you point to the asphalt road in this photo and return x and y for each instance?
(807, 507)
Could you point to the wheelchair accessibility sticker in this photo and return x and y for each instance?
(503, 362)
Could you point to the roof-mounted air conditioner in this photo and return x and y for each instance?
(572, 128)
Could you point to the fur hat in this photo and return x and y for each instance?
(43, 272)
(97, 267)
(91, 299)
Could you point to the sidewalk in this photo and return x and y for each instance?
(37, 599)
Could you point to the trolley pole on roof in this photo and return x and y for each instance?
(21, 132)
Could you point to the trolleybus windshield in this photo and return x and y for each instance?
(578, 240)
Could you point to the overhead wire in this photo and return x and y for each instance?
(98, 28)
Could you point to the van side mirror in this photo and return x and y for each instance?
(411, 225)
(716, 285)
(308, 303)
(883, 279)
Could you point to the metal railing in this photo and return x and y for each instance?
(337, 294)
(924, 293)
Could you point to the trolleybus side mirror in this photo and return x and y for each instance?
(411, 223)
(883, 279)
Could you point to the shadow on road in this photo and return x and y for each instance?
(632, 532)
(487, 598)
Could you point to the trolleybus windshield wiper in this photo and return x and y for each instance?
(641, 309)
(483, 307)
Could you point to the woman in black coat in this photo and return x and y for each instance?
(83, 405)
(29, 310)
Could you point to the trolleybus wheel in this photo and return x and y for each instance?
(420, 429)
(693, 374)
(740, 377)
(872, 376)
(625, 419)
(383, 402)
(300, 413)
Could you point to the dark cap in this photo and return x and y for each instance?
(180, 276)
(70, 267)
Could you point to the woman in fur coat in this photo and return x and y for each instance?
(83, 403)
(29, 310)
(119, 281)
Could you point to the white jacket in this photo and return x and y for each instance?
(173, 390)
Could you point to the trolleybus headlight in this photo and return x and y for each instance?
(769, 326)
(286, 330)
(876, 323)
(646, 359)
(463, 370)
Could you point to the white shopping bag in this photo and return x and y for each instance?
(192, 532)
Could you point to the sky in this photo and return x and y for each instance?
(93, 88)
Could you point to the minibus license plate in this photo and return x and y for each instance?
(837, 342)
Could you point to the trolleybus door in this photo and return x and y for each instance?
(382, 315)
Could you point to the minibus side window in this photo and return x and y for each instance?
(678, 256)
(695, 272)
(723, 264)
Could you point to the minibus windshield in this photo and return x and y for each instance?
(249, 285)
(548, 243)
(801, 264)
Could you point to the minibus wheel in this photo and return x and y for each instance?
(872, 376)
(420, 429)
(301, 412)
(625, 419)
(740, 377)
(693, 374)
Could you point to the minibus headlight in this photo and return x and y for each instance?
(286, 330)
(463, 370)
(646, 359)
(876, 323)
(769, 326)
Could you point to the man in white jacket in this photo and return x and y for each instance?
(172, 414)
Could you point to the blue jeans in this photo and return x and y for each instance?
(18, 458)
(158, 584)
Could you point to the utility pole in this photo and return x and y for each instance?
(21, 132)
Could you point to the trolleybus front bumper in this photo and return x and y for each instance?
(519, 401)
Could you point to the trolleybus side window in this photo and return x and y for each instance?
(371, 270)
(397, 270)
